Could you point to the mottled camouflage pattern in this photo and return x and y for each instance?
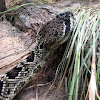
(54, 32)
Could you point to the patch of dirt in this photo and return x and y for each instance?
(13, 45)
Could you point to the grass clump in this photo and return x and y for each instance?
(80, 66)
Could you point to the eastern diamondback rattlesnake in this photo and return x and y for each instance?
(53, 34)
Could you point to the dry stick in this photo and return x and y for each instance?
(92, 90)
(97, 95)
(37, 91)
(37, 85)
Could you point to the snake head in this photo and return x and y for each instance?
(65, 16)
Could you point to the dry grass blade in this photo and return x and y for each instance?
(92, 85)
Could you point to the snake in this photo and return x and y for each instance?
(49, 38)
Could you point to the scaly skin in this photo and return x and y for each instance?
(50, 36)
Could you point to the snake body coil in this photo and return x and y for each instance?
(54, 32)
